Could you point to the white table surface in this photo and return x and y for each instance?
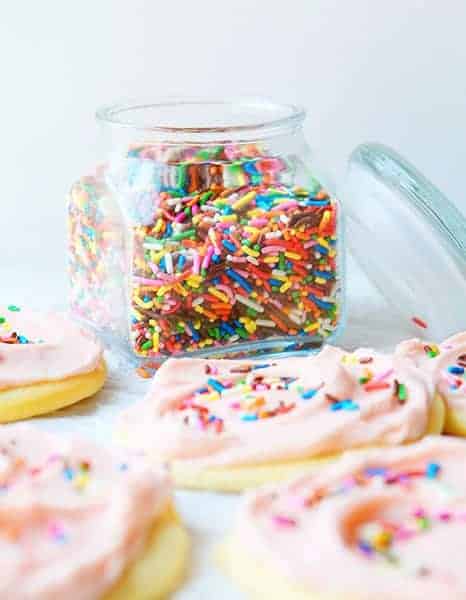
(208, 516)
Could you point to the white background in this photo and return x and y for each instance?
(391, 71)
(365, 69)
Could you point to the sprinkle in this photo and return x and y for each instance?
(309, 394)
(216, 385)
(283, 521)
(419, 322)
(432, 470)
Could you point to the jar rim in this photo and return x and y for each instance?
(247, 117)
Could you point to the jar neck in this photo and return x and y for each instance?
(193, 121)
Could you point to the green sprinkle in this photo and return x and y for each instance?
(13, 308)
(2, 320)
(402, 392)
(182, 235)
(147, 345)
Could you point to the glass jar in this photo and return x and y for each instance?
(207, 231)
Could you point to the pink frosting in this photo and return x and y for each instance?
(286, 409)
(388, 525)
(72, 516)
(446, 364)
(58, 348)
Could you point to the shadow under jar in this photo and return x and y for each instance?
(206, 231)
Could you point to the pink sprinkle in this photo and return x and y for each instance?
(207, 257)
(383, 375)
(444, 515)
(259, 222)
(282, 521)
(180, 217)
(145, 281)
(238, 259)
(419, 513)
(243, 273)
(213, 370)
(287, 205)
(309, 244)
(272, 249)
(194, 209)
(196, 263)
(235, 405)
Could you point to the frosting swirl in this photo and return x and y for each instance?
(228, 412)
(72, 516)
(392, 524)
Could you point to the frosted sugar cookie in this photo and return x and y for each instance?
(79, 522)
(229, 425)
(47, 362)
(387, 524)
(446, 363)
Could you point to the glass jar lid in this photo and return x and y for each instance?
(408, 238)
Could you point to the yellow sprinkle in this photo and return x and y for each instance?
(197, 323)
(244, 201)
(283, 278)
(228, 219)
(162, 290)
(311, 327)
(158, 226)
(80, 481)
(250, 252)
(251, 229)
(382, 540)
(220, 295)
(157, 256)
(332, 253)
(285, 287)
(293, 255)
(271, 259)
(155, 341)
(320, 280)
(180, 289)
(143, 304)
(323, 242)
(199, 309)
(193, 282)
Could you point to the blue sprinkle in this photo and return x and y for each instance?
(249, 417)
(22, 339)
(202, 390)
(123, 467)
(228, 328)
(432, 470)
(307, 395)
(344, 405)
(456, 370)
(216, 258)
(181, 262)
(237, 277)
(324, 274)
(68, 473)
(275, 282)
(320, 303)
(217, 385)
(227, 210)
(312, 202)
(229, 246)
(365, 547)
(321, 249)
(215, 280)
(250, 167)
(261, 366)
(375, 471)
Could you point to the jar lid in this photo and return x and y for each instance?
(409, 239)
